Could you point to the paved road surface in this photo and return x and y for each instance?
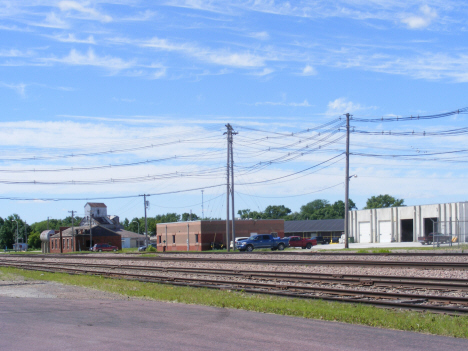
(28, 323)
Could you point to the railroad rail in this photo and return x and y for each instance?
(433, 303)
(348, 263)
(344, 279)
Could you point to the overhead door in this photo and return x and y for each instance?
(385, 231)
(364, 232)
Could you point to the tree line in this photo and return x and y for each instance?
(314, 210)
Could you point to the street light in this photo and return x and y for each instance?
(14, 220)
(138, 226)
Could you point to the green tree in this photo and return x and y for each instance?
(168, 218)
(276, 212)
(246, 214)
(308, 211)
(9, 229)
(186, 217)
(34, 240)
(383, 201)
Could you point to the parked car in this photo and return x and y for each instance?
(144, 247)
(259, 241)
(239, 239)
(438, 238)
(297, 241)
(321, 240)
(104, 247)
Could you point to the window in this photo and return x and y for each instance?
(196, 238)
(173, 239)
(63, 244)
(52, 243)
(159, 239)
(68, 244)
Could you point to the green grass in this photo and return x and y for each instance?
(429, 323)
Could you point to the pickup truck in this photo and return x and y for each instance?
(439, 238)
(297, 241)
(260, 241)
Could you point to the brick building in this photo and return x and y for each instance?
(80, 240)
(200, 234)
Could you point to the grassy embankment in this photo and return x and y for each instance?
(429, 323)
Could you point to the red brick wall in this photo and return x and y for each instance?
(211, 231)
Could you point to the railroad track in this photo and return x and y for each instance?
(279, 283)
(344, 279)
(348, 263)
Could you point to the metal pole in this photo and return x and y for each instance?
(232, 194)
(90, 230)
(73, 227)
(228, 126)
(346, 224)
(166, 237)
(188, 241)
(16, 247)
(146, 222)
(137, 222)
(202, 213)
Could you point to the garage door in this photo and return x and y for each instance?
(364, 232)
(385, 231)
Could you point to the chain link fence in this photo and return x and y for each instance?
(450, 232)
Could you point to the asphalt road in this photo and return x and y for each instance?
(59, 324)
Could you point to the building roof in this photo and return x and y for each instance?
(96, 204)
(322, 225)
(127, 234)
(97, 230)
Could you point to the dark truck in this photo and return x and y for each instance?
(297, 241)
(262, 241)
(437, 238)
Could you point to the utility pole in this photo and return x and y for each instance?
(146, 220)
(229, 189)
(228, 134)
(47, 223)
(232, 194)
(190, 215)
(73, 227)
(202, 213)
(25, 233)
(346, 219)
(90, 230)
(188, 237)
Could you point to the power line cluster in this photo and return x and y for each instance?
(292, 155)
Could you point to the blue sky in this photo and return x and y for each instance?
(146, 88)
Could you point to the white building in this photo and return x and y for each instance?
(406, 223)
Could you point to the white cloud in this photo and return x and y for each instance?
(14, 53)
(18, 88)
(264, 72)
(52, 20)
(423, 20)
(220, 57)
(305, 103)
(260, 35)
(76, 58)
(70, 38)
(89, 13)
(341, 106)
(309, 71)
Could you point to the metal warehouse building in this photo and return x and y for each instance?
(198, 235)
(406, 223)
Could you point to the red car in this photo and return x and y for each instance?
(297, 241)
(104, 247)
